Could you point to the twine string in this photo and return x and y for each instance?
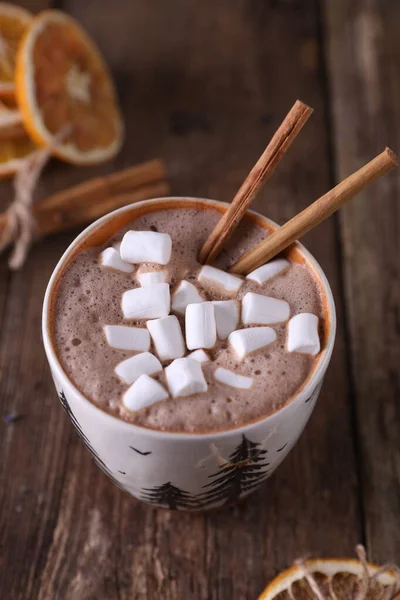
(309, 577)
(366, 578)
(20, 225)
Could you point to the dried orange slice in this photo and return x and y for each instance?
(63, 85)
(336, 579)
(10, 123)
(13, 153)
(13, 23)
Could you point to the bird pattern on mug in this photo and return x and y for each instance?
(245, 470)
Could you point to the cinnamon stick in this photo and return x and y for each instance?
(317, 212)
(60, 219)
(87, 197)
(94, 190)
(258, 176)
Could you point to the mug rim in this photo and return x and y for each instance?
(307, 389)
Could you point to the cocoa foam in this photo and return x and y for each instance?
(88, 296)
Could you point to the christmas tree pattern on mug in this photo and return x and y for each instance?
(99, 462)
(245, 471)
(169, 496)
(216, 457)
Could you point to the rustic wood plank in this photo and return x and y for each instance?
(364, 57)
(35, 5)
(6, 189)
(203, 85)
(24, 510)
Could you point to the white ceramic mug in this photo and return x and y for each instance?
(184, 470)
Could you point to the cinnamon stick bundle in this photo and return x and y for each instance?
(63, 218)
(92, 199)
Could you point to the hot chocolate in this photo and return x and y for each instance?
(153, 337)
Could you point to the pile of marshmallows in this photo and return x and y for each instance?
(204, 322)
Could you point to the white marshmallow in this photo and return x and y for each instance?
(150, 302)
(150, 277)
(200, 356)
(303, 334)
(141, 364)
(110, 258)
(233, 379)
(226, 317)
(185, 377)
(244, 341)
(263, 310)
(146, 246)
(123, 337)
(201, 331)
(186, 293)
(225, 281)
(117, 246)
(144, 392)
(265, 272)
(167, 336)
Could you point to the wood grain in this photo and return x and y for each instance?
(363, 59)
(202, 85)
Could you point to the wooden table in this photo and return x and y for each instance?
(204, 84)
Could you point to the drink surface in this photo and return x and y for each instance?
(88, 296)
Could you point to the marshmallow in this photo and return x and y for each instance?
(233, 379)
(226, 317)
(110, 258)
(167, 336)
(263, 310)
(265, 272)
(150, 302)
(117, 246)
(244, 341)
(225, 281)
(186, 293)
(303, 334)
(185, 377)
(146, 246)
(150, 277)
(123, 337)
(144, 392)
(141, 364)
(201, 331)
(200, 356)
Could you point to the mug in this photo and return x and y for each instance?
(187, 471)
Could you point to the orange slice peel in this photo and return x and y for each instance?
(62, 80)
(338, 579)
